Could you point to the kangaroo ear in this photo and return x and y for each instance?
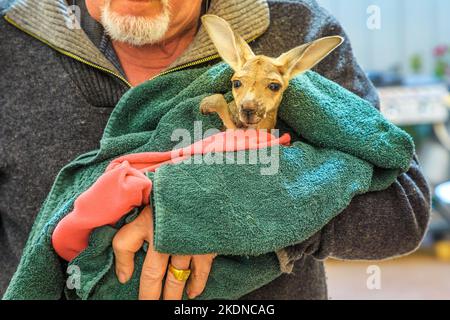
(305, 57)
(230, 46)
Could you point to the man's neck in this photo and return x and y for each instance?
(142, 63)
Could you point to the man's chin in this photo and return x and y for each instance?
(135, 29)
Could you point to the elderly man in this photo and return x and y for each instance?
(61, 82)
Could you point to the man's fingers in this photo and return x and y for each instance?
(152, 275)
(201, 267)
(128, 240)
(173, 288)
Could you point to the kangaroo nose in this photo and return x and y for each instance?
(249, 105)
(249, 109)
(248, 113)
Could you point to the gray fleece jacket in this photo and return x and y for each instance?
(59, 85)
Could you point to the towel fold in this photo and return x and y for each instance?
(246, 211)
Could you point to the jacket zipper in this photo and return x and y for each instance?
(82, 60)
(187, 65)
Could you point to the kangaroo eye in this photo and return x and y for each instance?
(237, 84)
(274, 86)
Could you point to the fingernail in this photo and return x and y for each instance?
(122, 277)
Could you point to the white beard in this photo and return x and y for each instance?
(137, 31)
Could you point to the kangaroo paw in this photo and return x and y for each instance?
(207, 108)
(212, 104)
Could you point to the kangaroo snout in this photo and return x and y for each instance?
(251, 112)
(249, 106)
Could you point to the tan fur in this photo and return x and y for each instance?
(255, 105)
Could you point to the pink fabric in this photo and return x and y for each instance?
(125, 186)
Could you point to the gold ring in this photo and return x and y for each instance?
(180, 275)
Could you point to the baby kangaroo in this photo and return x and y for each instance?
(259, 81)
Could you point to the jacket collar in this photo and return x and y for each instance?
(50, 21)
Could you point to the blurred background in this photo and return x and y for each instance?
(404, 46)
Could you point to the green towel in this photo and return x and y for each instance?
(343, 148)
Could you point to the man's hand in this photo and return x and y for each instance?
(130, 239)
